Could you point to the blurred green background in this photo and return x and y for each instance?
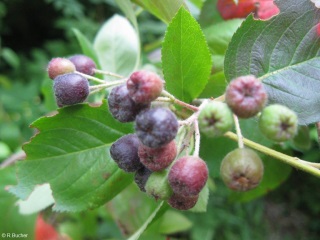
(31, 33)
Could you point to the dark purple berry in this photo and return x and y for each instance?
(278, 123)
(125, 153)
(241, 169)
(122, 107)
(157, 159)
(246, 96)
(156, 127)
(60, 66)
(182, 203)
(144, 86)
(70, 88)
(188, 176)
(141, 178)
(83, 64)
(158, 186)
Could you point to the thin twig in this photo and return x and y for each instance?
(107, 73)
(238, 130)
(90, 77)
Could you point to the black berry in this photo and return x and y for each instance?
(182, 203)
(246, 96)
(215, 119)
(242, 169)
(125, 153)
(59, 66)
(188, 175)
(141, 178)
(156, 127)
(70, 88)
(278, 123)
(121, 106)
(83, 64)
(144, 86)
(157, 159)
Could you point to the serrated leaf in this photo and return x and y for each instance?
(284, 53)
(71, 153)
(186, 59)
(117, 46)
(164, 9)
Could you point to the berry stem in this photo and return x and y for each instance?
(293, 161)
(197, 139)
(90, 77)
(107, 84)
(179, 102)
(238, 130)
(107, 73)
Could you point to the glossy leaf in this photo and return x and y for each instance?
(117, 46)
(71, 153)
(164, 9)
(284, 53)
(186, 59)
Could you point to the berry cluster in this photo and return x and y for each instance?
(151, 152)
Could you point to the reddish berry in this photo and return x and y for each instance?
(156, 127)
(144, 86)
(241, 169)
(157, 159)
(59, 66)
(182, 203)
(83, 64)
(278, 123)
(246, 96)
(70, 88)
(229, 9)
(188, 175)
(122, 107)
(125, 153)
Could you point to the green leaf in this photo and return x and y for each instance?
(209, 14)
(71, 153)
(218, 38)
(117, 46)
(186, 60)
(127, 8)
(11, 220)
(284, 53)
(216, 86)
(164, 9)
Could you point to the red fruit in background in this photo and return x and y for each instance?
(266, 9)
(45, 231)
(229, 10)
(262, 9)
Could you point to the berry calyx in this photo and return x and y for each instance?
(70, 88)
(156, 127)
(144, 86)
(246, 96)
(141, 177)
(83, 64)
(59, 66)
(278, 123)
(125, 153)
(157, 159)
(188, 176)
(215, 119)
(121, 106)
(241, 169)
(182, 203)
(158, 186)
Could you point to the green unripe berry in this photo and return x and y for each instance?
(242, 169)
(215, 119)
(278, 123)
(158, 186)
